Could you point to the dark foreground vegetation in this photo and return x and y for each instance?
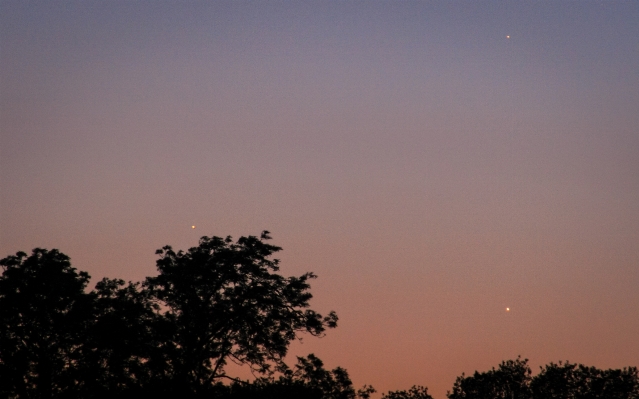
(172, 335)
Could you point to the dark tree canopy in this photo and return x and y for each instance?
(512, 379)
(415, 392)
(43, 313)
(226, 303)
(121, 350)
(308, 379)
(220, 301)
(509, 381)
(172, 335)
(333, 384)
(568, 380)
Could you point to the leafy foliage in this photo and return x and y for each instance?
(173, 335)
(415, 392)
(122, 348)
(509, 381)
(334, 384)
(225, 302)
(43, 315)
(570, 380)
(308, 379)
(555, 381)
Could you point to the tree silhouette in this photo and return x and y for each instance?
(555, 381)
(121, 350)
(173, 334)
(43, 315)
(308, 379)
(415, 392)
(225, 302)
(334, 384)
(569, 380)
(509, 381)
(220, 301)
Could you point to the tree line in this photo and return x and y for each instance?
(173, 334)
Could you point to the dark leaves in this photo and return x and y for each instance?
(228, 303)
(415, 392)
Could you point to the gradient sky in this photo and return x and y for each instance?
(431, 171)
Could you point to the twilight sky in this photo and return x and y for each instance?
(430, 170)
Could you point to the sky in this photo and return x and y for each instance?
(432, 162)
